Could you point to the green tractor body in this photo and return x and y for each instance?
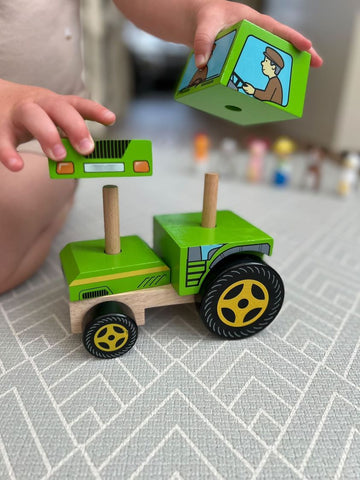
(184, 253)
(91, 273)
(191, 250)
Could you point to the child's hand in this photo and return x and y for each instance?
(28, 112)
(216, 15)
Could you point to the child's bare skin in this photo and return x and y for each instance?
(32, 112)
(30, 218)
(197, 22)
(32, 207)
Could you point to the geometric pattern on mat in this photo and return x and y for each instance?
(184, 404)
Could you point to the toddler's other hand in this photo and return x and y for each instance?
(213, 16)
(28, 112)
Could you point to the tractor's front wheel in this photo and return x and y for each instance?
(242, 300)
(108, 332)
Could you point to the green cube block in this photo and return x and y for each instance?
(91, 273)
(252, 77)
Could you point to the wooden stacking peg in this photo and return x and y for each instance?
(210, 200)
(111, 219)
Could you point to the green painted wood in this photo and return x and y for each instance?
(190, 250)
(110, 158)
(89, 270)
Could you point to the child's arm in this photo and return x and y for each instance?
(197, 22)
(32, 112)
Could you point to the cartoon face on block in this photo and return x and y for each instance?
(273, 63)
(268, 67)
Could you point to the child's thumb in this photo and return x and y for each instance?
(204, 40)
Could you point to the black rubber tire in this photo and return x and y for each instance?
(108, 332)
(227, 314)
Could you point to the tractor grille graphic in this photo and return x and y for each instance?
(100, 292)
(109, 149)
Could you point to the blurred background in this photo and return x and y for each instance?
(135, 75)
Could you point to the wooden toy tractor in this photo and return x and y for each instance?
(211, 257)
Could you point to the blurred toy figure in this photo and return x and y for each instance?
(313, 171)
(257, 150)
(228, 151)
(349, 175)
(201, 150)
(283, 148)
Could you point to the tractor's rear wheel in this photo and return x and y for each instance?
(108, 332)
(242, 300)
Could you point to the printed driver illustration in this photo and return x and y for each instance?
(272, 65)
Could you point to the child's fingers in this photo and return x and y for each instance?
(283, 31)
(69, 112)
(69, 115)
(210, 23)
(9, 156)
(204, 39)
(71, 122)
(32, 118)
(316, 60)
(297, 39)
(91, 110)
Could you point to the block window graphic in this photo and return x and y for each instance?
(262, 71)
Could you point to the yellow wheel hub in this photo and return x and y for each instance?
(111, 337)
(242, 303)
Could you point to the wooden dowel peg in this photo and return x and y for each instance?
(210, 200)
(111, 219)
